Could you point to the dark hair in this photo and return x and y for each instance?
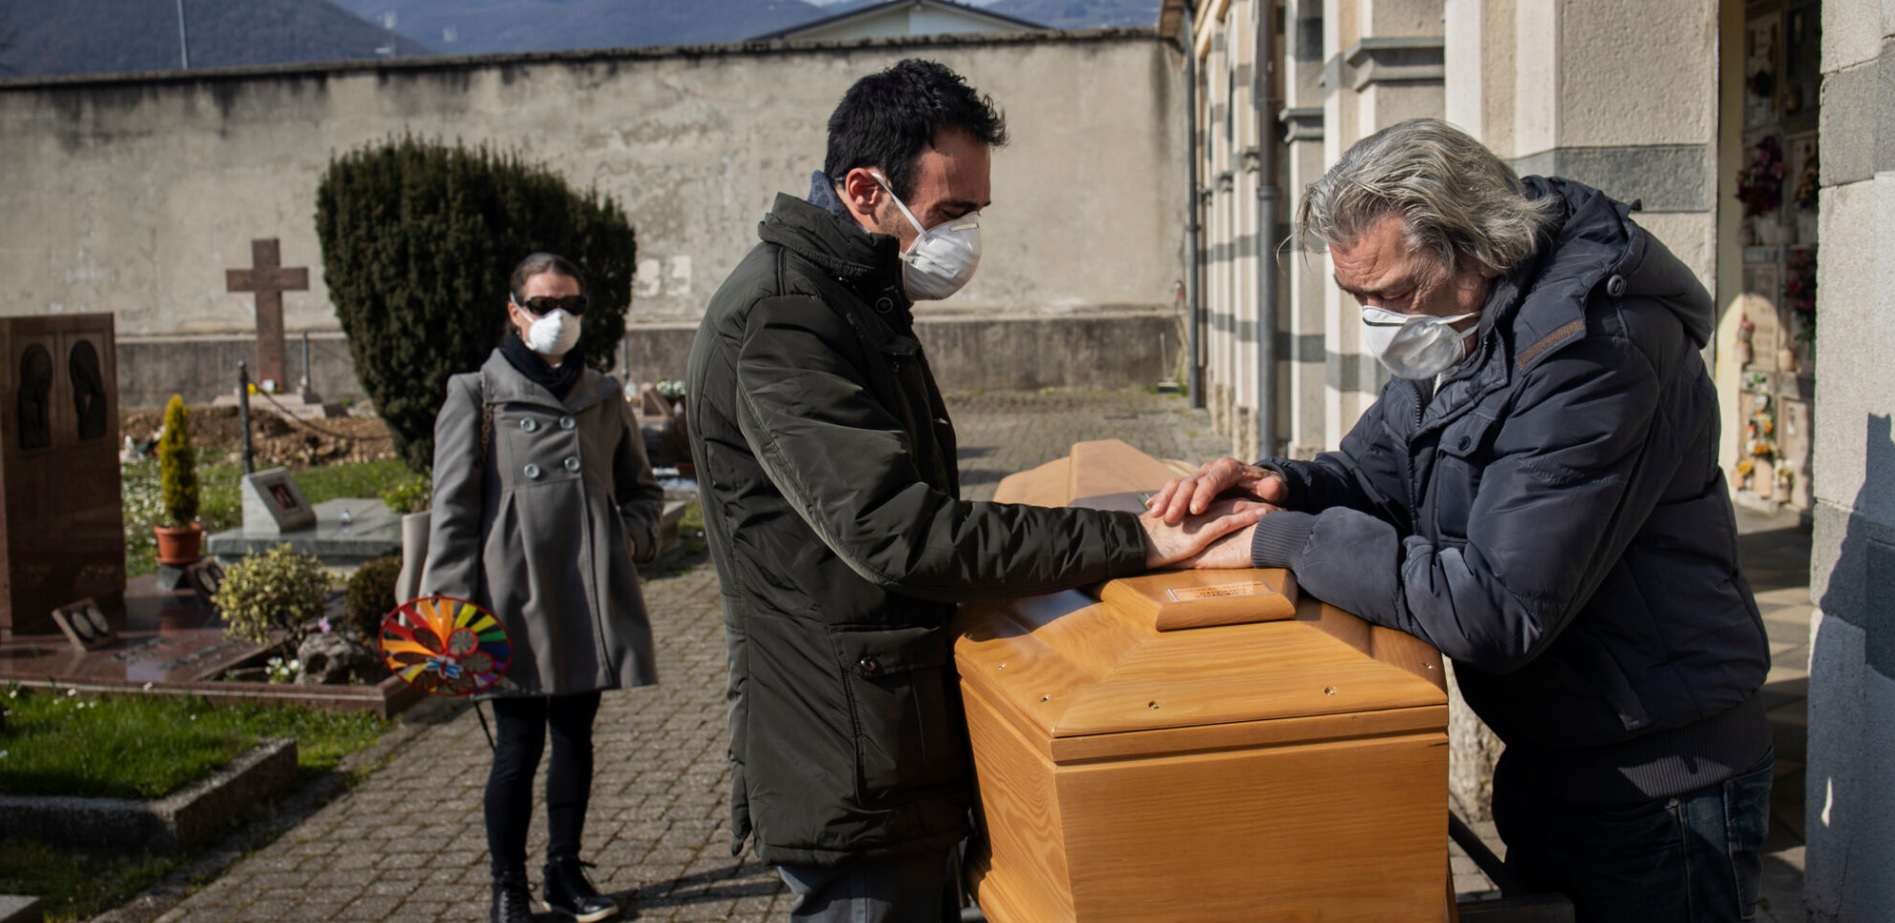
(538, 263)
(887, 119)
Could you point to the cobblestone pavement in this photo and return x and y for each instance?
(407, 843)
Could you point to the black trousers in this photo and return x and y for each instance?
(520, 726)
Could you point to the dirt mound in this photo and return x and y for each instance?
(277, 440)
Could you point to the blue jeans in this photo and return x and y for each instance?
(1693, 858)
(903, 889)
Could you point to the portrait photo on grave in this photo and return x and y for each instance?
(281, 500)
(83, 623)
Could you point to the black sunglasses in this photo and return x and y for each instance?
(574, 304)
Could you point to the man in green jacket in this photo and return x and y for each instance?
(831, 497)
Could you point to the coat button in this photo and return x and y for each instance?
(869, 666)
(572, 463)
(530, 425)
(567, 423)
(1466, 443)
(1615, 286)
(884, 305)
(532, 472)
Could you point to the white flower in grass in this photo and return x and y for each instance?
(71, 692)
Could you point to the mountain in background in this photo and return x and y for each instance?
(52, 37)
(1082, 14)
(490, 26)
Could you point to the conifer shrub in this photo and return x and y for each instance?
(418, 239)
(177, 465)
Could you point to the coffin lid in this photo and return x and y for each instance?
(1126, 656)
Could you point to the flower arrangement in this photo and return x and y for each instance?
(1809, 183)
(1760, 185)
(1799, 291)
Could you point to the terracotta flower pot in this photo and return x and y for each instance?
(179, 547)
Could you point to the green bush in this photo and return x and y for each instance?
(418, 239)
(177, 464)
(371, 595)
(278, 590)
(410, 496)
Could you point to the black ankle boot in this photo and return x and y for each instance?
(569, 892)
(512, 898)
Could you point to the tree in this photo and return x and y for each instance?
(418, 239)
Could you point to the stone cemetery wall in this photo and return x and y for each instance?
(134, 195)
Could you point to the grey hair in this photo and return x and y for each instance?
(1455, 198)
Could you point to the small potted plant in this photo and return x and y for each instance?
(179, 542)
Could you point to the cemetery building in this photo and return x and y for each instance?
(1710, 115)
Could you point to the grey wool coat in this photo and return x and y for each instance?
(543, 527)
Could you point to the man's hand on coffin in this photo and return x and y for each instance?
(1169, 543)
(1226, 477)
(1233, 550)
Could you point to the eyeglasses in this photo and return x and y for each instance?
(539, 306)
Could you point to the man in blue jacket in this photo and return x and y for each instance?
(1536, 493)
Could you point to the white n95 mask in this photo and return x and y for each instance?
(943, 258)
(554, 333)
(1415, 346)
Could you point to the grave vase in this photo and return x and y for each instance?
(414, 555)
(178, 547)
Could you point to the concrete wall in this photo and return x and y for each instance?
(134, 195)
(1851, 770)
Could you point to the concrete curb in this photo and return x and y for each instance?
(184, 819)
(17, 909)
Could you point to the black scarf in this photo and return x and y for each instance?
(538, 371)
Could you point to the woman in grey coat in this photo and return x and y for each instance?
(543, 499)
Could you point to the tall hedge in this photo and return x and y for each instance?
(418, 239)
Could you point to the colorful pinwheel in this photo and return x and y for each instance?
(445, 646)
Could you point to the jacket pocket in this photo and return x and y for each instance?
(909, 732)
(1455, 480)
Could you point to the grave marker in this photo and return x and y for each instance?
(268, 279)
(62, 516)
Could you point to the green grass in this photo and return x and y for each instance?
(144, 747)
(77, 886)
(135, 747)
(220, 498)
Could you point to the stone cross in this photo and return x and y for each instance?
(269, 280)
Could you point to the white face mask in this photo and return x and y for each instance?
(943, 258)
(553, 334)
(1415, 346)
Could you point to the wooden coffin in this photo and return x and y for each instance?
(1198, 746)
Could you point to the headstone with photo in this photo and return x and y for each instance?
(342, 533)
(273, 504)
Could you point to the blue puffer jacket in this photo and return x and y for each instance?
(1555, 521)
